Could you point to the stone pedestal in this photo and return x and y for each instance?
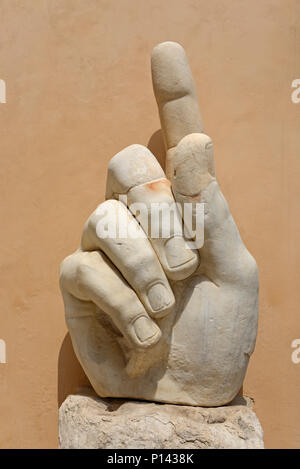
(87, 421)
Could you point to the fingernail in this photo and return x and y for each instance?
(177, 252)
(159, 297)
(145, 328)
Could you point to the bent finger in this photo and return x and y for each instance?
(91, 277)
(136, 174)
(114, 230)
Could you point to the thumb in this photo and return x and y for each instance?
(224, 257)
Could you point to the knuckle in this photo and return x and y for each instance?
(73, 273)
(147, 260)
(64, 269)
(82, 274)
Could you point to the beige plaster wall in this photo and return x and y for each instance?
(78, 90)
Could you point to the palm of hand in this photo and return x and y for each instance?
(152, 319)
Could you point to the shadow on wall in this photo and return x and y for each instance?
(156, 146)
(71, 377)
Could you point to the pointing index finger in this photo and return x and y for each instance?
(175, 93)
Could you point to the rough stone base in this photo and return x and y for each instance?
(87, 421)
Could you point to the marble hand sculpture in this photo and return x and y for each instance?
(152, 317)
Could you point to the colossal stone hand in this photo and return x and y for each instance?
(151, 318)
